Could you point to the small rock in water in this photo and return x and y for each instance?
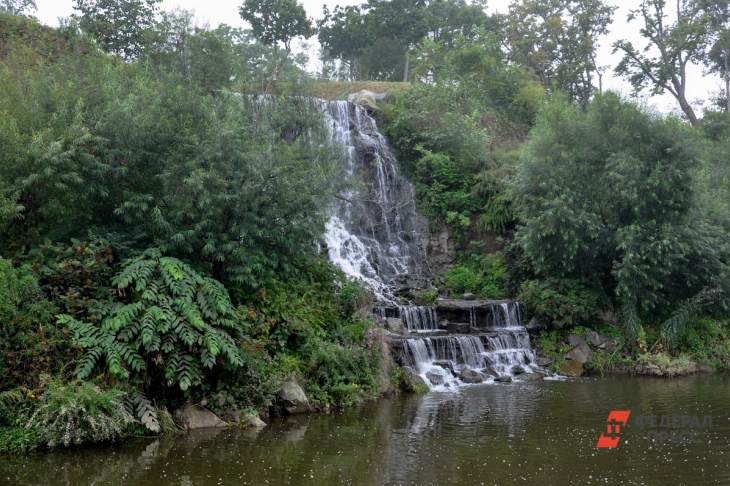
(435, 378)
(517, 370)
(471, 376)
(489, 371)
(469, 296)
(447, 365)
(503, 379)
(532, 377)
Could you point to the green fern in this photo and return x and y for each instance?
(686, 311)
(175, 319)
(139, 406)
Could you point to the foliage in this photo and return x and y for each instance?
(18, 7)
(675, 44)
(482, 275)
(560, 302)
(175, 322)
(274, 21)
(118, 25)
(426, 296)
(557, 40)
(30, 343)
(15, 440)
(551, 346)
(606, 197)
(706, 340)
(76, 413)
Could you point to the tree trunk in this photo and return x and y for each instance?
(687, 109)
(727, 82)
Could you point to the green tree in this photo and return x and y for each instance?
(671, 46)
(718, 56)
(606, 197)
(274, 21)
(120, 26)
(557, 40)
(18, 7)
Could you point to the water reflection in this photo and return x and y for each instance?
(498, 434)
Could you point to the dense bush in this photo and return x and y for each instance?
(560, 302)
(174, 324)
(484, 276)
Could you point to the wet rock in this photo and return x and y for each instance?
(193, 417)
(458, 327)
(535, 324)
(543, 361)
(581, 353)
(571, 368)
(412, 381)
(469, 296)
(394, 324)
(293, 399)
(447, 365)
(471, 376)
(435, 378)
(503, 379)
(517, 370)
(252, 421)
(532, 377)
(489, 371)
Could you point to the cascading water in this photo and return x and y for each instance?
(502, 349)
(419, 318)
(374, 233)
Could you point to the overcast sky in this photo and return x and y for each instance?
(214, 12)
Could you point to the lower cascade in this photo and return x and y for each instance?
(484, 341)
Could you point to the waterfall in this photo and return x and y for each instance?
(419, 318)
(374, 233)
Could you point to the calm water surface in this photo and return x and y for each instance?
(495, 434)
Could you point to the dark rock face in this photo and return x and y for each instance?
(471, 376)
(435, 378)
(517, 370)
(503, 379)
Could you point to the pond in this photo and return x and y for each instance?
(530, 433)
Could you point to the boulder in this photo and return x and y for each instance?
(532, 377)
(367, 99)
(469, 296)
(252, 421)
(471, 376)
(435, 377)
(193, 417)
(593, 338)
(571, 368)
(394, 324)
(581, 353)
(293, 399)
(575, 340)
(445, 364)
(543, 361)
(517, 370)
(412, 380)
(489, 371)
(503, 379)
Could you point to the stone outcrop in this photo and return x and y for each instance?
(292, 399)
(193, 417)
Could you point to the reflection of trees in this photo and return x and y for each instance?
(504, 434)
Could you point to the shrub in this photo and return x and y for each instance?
(175, 320)
(76, 413)
(559, 302)
(481, 275)
(30, 342)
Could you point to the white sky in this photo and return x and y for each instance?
(214, 12)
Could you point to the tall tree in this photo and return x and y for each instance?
(718, 54)
(274, 21)
(119, 26)
(672, 45)
(557, 40)
(17, 7)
